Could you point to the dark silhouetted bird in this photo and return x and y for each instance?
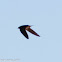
(27, 27)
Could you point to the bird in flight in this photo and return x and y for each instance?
(23, 29)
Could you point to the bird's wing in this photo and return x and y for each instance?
(33, 32)
(24, 33)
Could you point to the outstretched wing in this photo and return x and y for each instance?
(24, 33)
(33, 32)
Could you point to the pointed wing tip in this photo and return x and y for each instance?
(38, 35)
(27, 37)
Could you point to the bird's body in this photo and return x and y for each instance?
(27, 27)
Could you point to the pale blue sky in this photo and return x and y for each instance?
(46, 18)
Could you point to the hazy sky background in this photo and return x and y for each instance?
(46, 18)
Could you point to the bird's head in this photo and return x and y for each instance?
(19, 27)
(24, 26)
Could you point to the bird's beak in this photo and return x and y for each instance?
(18, 28)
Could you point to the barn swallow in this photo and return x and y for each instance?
(23, 29)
